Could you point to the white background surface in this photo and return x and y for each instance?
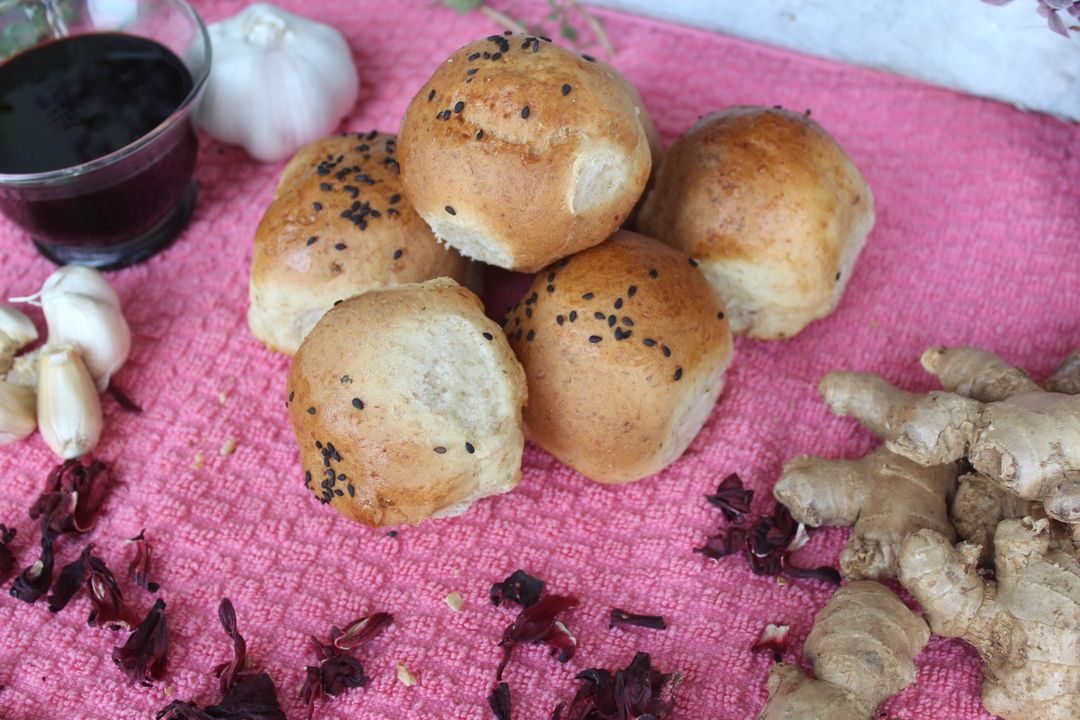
(1007, 52)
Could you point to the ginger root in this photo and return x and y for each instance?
(1026, 625)
(979, 505)
(1025, 440)
(862, 647)
(884, 496)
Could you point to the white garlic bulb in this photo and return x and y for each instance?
(278, 81)
(96, 329)
(68, 408)
(77, 279)
(18, 416)
(17, 327)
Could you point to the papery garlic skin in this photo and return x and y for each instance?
(18, 412)
(92, 326)
(18, 328)
(68, 408)
(278, 82)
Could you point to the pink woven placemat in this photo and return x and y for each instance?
(977, 241)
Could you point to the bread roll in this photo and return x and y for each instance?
(406, 402)
(624, 346)
(518, 152)
(772, 208)
(338, 226)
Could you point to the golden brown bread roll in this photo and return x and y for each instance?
(406, 403)
(518, 152)
(338, 225)
(624, 346)
(773, 209)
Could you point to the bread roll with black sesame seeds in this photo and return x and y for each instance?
(339, 225)
(624, 347)
(518, 152)
(773, 209)
(406, 403)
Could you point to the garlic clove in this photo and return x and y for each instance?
(8, 348)
(68, 408)
(18, 414)
(24, 370)
(95, 328)
(17, 327)
(81, 280)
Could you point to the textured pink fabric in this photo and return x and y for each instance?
(976, 242)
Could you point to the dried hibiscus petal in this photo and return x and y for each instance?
(774, 639)
(341, 673)
(638, 691)
(732, 498)
(499, 701)
(519, 587)
(621, 617)
(337, 671)
(7, 558)
(253, 698)
(824, 573)
(539, 623)
(105, 597)
(727, 541)
(74, 491)
(360, 631)
(139, 569)
(123, 400)
(36, 579)
(142, 657)
(71, 578)
(229, 671)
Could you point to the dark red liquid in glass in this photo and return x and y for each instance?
(75, 100)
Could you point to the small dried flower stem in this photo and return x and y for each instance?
(596, 28)
(502, 19)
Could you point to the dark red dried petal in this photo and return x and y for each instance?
(773, 639)
(342, 673)
(139, 569)
(142, 657)
(253, 698)
(727, 541)
(74, 492)
(35, 580)
(311, 690)
(499, 701)
(360, 631)
(519, 587)
(71, 579)
(638, 691)
(621, 617)
(536, 624)
(122, 399)
(105, 597)
(7, 558)
(825, 573)
(229, 671)
(732, 498)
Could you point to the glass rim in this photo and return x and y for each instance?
(71, 171)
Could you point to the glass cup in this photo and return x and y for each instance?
(122, 207)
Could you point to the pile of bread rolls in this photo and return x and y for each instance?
(408, 402)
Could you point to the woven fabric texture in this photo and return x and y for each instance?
(977, 242)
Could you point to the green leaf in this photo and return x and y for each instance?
(463, 6)
(567, 31)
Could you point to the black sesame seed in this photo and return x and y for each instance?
(559, 319)
(588, 58)
(720, 315)
(530, 336)
(311, 411)
(545, 38)
(358, 403)
(450, 210)
(459, 106)
(632, 290)
(566, 90)
(472, 71)
(398, 253)
(532, 298)
(627, 322)
(311, 240)
(431, 95)
(372, 135)
(340, 246)
(508, 32)
(693, 262)
(469, 448)
(339, 492)
(678, 373)
(653, 273)
(595, 338)
(318, 445)
(837, 276)
(587, 296)
(666, 350)
(599, 315)
(496, 56)
(573, 315)
(618, 334)
(307, 477)
(525, 112)
(618, 303)
(324, 186)
(611, 321)
(488, 336)
(291, 396)
(551, 288)
(317, 206)
(479, 134)
(472, 57)
(352, 491)
(440, 450)
(551, 277)
(391, 211)
(528, 312)
(517, 322)
(394, 199)
(486, 55)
